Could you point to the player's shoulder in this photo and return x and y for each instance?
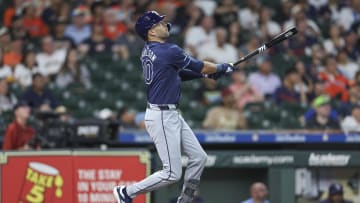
(172, 47)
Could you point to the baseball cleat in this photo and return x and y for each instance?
(120, 195)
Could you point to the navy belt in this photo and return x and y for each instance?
(162, 107)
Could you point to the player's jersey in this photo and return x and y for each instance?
(161, 63)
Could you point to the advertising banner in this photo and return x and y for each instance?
(244, 159)
(71, 177)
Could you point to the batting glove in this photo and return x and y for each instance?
(224, 68)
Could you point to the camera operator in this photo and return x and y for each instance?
(19, 135)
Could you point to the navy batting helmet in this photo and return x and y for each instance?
(145, 22)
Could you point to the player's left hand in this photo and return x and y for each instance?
(225, 68)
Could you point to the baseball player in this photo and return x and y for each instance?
(164, 66)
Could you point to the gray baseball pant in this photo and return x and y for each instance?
(172, 136)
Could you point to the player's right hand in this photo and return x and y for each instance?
(215, 76)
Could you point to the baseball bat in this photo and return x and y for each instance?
(276, 40)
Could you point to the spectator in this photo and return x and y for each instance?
(249, 16)
(236, 34)
(335, 42)
(315, 8)
(55, 11)
(351, 45)
(39, 98)
(299, 18)
(336, 194)
(61, 41)
(351, 123)
(50, 59)
(208, 93)
(5, 39)
(32, 23)
(73, 72)
(5, 70)
(306, 80)
(207, 6)
(283, 12)
(317, 60)
(130, 42)
(335, 82)
(15, 8)
(198, 36)
(19, 134)
(287, 92)
(17, 28)
(258, 192)
(318, 90)
(243, 91)
(113, 28)
(97, 9)
(126, 118)
(225, 117)
(219, 51)
(264, 80)
(79, 30)
(125, 10)
(303, 40)
(348, 15)
(187, 16)
(354, 97)
(268, 27)
(23, 71)
(97, 43)
(13, 56)
(140, 120)
(7, 99)
(346, 66)
(226, 13)
(356, 84)
(323, 117)
(251, 44)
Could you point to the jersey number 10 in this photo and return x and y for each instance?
(148, 72)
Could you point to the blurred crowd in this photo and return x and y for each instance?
(43, 42)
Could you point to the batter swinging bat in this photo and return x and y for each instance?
(276, 40)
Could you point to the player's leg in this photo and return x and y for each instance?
(164, 128)
(196, 163)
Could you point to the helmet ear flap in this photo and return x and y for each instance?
(168, 25)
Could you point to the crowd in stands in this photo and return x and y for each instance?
(43, 43)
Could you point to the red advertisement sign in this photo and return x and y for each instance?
(71, 177)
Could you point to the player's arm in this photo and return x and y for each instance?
(210, 67)
(183, 61)
(186, 74)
